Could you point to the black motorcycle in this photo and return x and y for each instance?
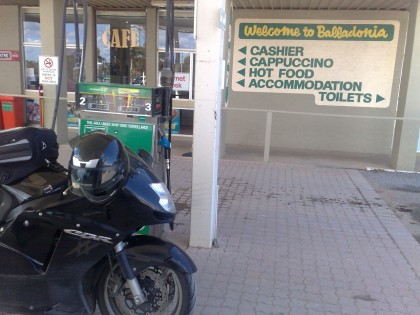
(69, 239)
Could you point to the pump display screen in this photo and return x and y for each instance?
(119, 99)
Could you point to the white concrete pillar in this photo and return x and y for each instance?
(209, 81)
(406, 131)
(151, 47)
(51, 15)
(90, 54)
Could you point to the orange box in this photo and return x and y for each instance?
(12, 111)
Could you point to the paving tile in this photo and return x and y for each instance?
(298, 239)
(304, 240)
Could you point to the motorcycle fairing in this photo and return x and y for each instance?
(60, 288)
(42, 267)
(7, 203)
(27, 246)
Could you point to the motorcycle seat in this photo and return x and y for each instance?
(40, 183)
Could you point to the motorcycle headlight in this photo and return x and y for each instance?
(165, 198)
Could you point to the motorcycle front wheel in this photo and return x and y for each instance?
(167, 290)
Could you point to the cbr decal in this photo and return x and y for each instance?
(89, 236)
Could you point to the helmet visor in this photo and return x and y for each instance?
(95, 181)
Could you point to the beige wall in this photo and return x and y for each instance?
(11, 71)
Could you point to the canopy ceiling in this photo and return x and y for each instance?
(399, 5)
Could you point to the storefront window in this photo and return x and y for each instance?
(183, 30)
(184, 48)
(32, 54)
(32, 49)
(183, 82)
(32, 28)
(121, 48)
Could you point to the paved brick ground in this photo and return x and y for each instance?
(296, 239)
(299, 240)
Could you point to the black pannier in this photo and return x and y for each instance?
(23, 150)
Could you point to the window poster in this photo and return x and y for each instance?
(33, 111)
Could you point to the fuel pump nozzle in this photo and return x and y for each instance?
(163, 142)
(166, 145)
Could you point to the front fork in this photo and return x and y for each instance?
(128, 274)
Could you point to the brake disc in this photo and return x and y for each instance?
(159, 288)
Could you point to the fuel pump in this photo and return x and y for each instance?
(130, 113)
(134, 114)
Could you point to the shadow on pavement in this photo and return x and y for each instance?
(401, 192)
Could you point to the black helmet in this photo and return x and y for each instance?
(98, 166)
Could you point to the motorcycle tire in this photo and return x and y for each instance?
(167, 291)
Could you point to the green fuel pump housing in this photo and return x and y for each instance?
(136, 115)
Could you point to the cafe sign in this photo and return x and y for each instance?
(121, 38)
